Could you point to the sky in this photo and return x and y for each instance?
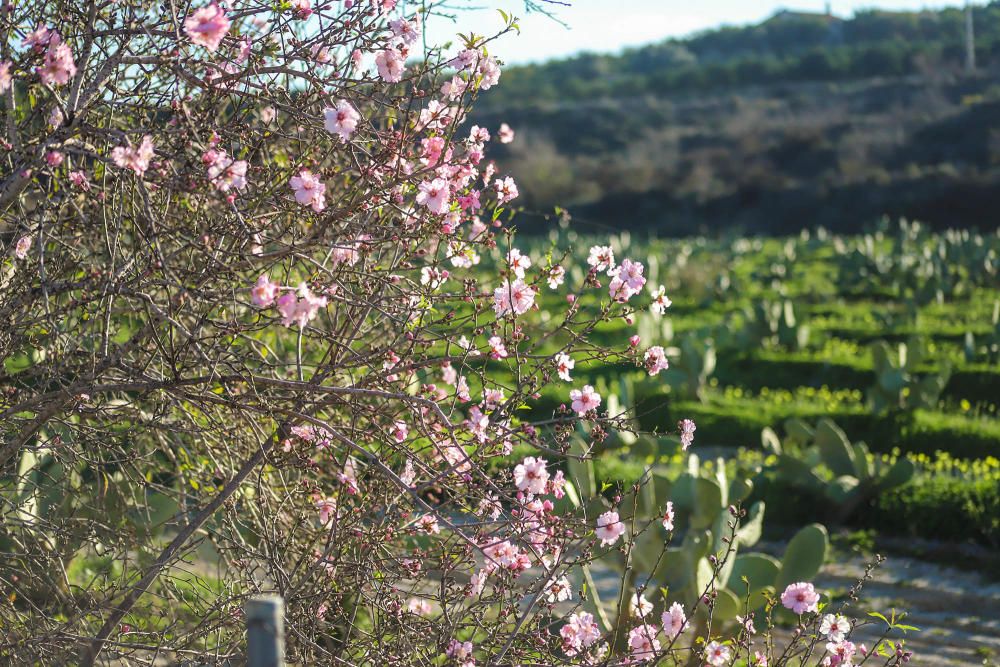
(611, 25)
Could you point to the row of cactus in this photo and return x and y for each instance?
(923, 265)
(703, 497)
(985, 348)
(852, 476)
(770, 322)
(898, 386)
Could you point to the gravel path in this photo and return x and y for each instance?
(958, 612)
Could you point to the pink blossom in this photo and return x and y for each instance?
(579, 633)
(407, 32)
(478, 423)
(835, 627)
(246, 46)
(585, 400)
(309, 190)
(79, 179)
(263, 293)
(135, 158)
(207, 26)
(497, 348)
(660, 301)
(609, 528)
(58, 66)
(433, 276)
(477, 582)
(559, 590)
(302, 9)
(301, 310)
(687, 428)
(409, 473)
(642, 642)
(489, 72)
(639, 605)
(505, 555)
(327, 508)
(349, 477)
(341, 120)
(5, 77)
(432, 149)
(513, 297)
(558, 484)
(38, 38)
(267, 114)
(564, 364)
(531, 476)
(602, 258)
(557, 274)
(668, 516)
(462, 390)
(22, 246)
(716, 654)
(428, 524)
(54, 158)
(656, 360)
(505, 134)
(390, 65)
(841, 653)
(673, 620)
(517, 262)
(506, 189)
(465, 58)
(461, 652)
(492, 398)
(628, 281)
(56, 117)
(320, 53)
(435, 195)
(478, 135)
(356, 57)
(419, 607)
(455, 87)
(800, 597)
(226, 173)
(437, 116)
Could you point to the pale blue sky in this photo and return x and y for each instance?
(610, 25)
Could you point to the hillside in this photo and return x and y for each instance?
(802, 120)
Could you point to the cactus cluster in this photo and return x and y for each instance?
(897, 385)
(852, 476)
(910, 261)
(985, 348)
(703, 498)
(689, 373)
(770, 322)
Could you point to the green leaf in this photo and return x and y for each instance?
(750, 530)
(875, 614)
(759, 570)
(769, 441)
(803, 557)
(841, 489)
(835, 448)
(727, 606)
(900, 473)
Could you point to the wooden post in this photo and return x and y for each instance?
(970, 39)
(265, 631)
